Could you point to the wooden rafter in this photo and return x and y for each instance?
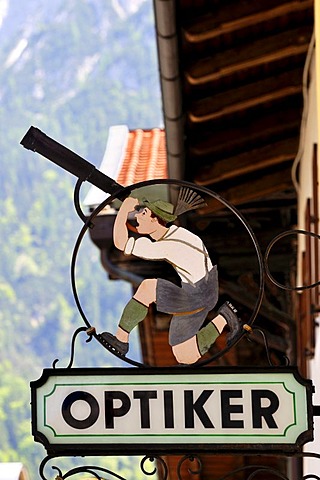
(254, 189)
(224, 25)
(247, 162)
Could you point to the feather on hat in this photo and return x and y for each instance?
(188, 200)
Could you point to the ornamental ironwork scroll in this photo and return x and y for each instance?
(189, 467)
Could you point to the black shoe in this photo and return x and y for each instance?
(229, 313)
(112, 341)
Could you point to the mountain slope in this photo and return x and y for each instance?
(72, 68)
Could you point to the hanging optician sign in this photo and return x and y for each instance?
(82, 411)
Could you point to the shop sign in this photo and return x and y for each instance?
(116, 410)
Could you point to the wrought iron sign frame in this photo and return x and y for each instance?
(37, 141)
(125, 191)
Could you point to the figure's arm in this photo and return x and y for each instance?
(120, 231)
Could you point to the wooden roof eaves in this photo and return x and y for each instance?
(247, 162)
(250, 190)
(244, 22)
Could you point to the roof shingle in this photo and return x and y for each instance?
(145, 157)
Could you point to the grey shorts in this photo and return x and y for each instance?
(188, 305)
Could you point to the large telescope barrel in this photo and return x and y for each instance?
(39, 142)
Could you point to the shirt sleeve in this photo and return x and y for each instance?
(129, 246)
(145, 248)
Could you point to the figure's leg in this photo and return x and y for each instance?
(134, 312)
(146, 292)
(187, 352)
(137, 308)
(191, 350)
(227, 315)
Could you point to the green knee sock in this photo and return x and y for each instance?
(206, 337)
(133, 313)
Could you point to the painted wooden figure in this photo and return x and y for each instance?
(190, 303)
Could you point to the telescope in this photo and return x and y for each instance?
(39, 142)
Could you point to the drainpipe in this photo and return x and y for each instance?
(167, 45)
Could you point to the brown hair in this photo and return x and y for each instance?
(160, 220)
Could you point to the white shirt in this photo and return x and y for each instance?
(184, 250)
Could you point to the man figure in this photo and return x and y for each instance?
(188, 304)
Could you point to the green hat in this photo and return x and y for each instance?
(162, 209)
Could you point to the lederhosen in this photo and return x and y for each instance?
(190, 303)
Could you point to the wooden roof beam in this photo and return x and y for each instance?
(228, 139)
(235, 108)
(211, 28)
(280, 55)
(254, 189)
(216, 99)
(247, 162)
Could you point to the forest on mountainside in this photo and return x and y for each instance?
(72, 69)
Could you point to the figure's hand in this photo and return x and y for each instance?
(129, 204)
(120, 231)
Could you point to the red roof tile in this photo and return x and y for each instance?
(145, 157)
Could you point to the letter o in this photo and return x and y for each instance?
(69, 401)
